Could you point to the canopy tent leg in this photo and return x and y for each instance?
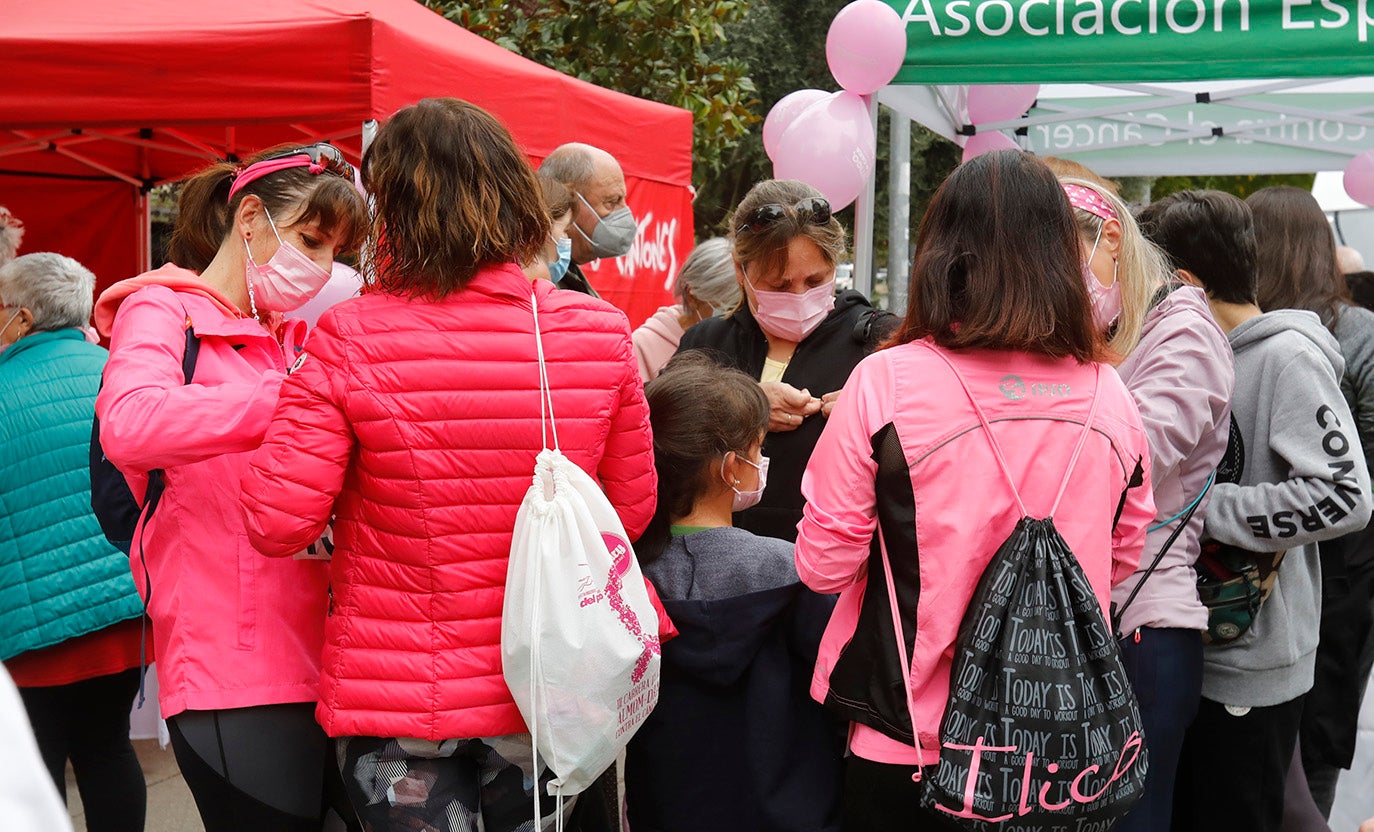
(144, 217)
(863, 223)
(899, 211)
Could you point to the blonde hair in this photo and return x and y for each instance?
(1141, 267)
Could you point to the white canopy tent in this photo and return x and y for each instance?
(1138, 87)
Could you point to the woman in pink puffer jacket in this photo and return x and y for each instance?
(414, 419)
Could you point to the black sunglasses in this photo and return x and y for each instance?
(813, 210)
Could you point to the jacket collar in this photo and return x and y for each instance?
(37, 339)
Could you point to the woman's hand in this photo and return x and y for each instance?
(828, 403)
(788, 407)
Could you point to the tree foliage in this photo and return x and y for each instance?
(1241, 186)
(662, 50)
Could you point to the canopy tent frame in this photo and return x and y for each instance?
(104, 106)
(1156, 107)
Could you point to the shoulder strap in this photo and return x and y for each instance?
(997, 448)
(545, 393)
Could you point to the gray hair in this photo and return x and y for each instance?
(710, 273)
(572, 164)
(58, 290)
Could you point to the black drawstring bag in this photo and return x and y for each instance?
(1042, 730)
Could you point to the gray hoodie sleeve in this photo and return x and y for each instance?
(1324, 492)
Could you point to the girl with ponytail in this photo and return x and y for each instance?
(199, 351)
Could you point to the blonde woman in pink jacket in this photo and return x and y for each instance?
(997, 300)
(1177, 364)
(237, 636)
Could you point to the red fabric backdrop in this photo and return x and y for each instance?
(148, 95)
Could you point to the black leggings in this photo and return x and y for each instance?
(87, 722)
(259, 768)
(882, 797)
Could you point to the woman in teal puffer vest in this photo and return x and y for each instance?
(69, 628)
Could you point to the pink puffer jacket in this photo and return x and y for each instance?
(231, 628)
(422, 420)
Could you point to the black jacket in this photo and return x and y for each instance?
(821, 364)
(736, 744)
(576, 281)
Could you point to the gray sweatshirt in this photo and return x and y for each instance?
(1305, 480)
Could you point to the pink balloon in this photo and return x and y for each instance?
(865, 46)
(831, 147)
(1000, 102)
(984, 142)
(1359, 178)
(784, 113)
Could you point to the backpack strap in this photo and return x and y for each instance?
(997, 448)
(1082, 439)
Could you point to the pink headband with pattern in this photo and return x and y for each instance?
(1086, 199)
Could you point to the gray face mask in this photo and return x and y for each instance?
(614, 233)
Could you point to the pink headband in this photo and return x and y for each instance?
(258, 170)
(1086, 199)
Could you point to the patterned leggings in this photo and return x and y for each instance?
(423, 786)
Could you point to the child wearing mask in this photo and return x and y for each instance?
(1303, 479)
(737, 675)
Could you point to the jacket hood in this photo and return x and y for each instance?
(664, 323)
(1300, 321)
(173, 277)
(718, 640)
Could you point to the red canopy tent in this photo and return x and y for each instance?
(104, 99)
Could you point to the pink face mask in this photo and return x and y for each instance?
(790, 315)
(287, 280)
(1106, 300)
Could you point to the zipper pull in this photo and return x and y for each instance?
(1137, 635)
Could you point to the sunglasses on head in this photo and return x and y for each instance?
(324, 156)
(814, 210)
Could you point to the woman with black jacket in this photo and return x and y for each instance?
(791, 331)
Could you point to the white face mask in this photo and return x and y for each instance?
(749, 499)
(287, 280)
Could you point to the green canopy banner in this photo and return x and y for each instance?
(1116, 41)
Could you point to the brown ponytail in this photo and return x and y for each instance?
(202, 217)
(292, 196)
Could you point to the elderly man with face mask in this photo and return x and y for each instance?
(602, 223)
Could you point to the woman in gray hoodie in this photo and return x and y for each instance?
(1301, 479)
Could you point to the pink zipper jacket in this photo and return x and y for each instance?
(231, 628)
(416, 423)
(904, 464)
(1181, 375)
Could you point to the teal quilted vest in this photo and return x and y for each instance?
(59, 577)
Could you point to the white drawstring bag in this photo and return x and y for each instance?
(579, 636)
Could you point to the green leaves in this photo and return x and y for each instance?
(662, 50)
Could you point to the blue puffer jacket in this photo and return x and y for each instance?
(59, 577)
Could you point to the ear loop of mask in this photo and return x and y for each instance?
(252, 301)
(1088, 264)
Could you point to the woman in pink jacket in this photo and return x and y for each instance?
(903, 464)
(414, 419)
(1177, 364)
(237, 636)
